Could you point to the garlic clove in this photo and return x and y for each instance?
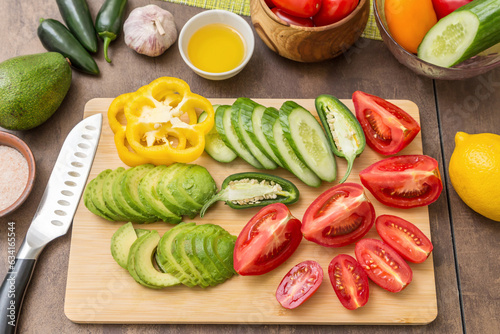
(150, 30)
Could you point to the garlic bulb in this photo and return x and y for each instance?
(150, 30)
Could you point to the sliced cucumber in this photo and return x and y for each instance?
(215, 146)
(241, 119)
(462, 34)
(273, 131)
(229, 136)
(305, 135)
(254, 129)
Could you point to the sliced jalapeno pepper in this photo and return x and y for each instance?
(254, 189)
(344, 132)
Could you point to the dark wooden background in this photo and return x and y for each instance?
(466, 244)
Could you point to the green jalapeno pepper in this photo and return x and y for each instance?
(76, 15)
(254, 189)
(343, 130)
(109, 22)
(57, 38)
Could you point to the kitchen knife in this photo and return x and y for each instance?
(53, 217)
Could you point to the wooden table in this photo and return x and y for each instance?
(466, 244)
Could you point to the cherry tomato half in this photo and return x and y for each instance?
(299, 284)
(349, 280)
(404, 237)
(445, 7)
(405, 181)
(267, 240)
(339, 216)
(332, 11)
(294, 20)
(383, 264)
(299, 8)
(388, 128)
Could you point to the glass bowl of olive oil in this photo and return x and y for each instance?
(216, 44)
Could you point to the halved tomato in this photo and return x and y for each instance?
(404, 237)
(349, 281)
(405, 181)
(299, 284)
(388, 128)
(267, 240)
(339, 216)
(383, 264)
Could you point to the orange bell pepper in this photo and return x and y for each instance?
(409, 21)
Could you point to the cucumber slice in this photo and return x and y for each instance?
(254, 129)
(149, 195)
(307, 138)
(215, 146)
(241, 119)
(273, 131)
(228, 134)
(462, 34)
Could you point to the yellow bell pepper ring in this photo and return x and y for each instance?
(116, 116)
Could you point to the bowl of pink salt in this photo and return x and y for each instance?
(17, 172)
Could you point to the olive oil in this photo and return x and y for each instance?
(216, 48)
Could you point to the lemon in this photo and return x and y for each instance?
(475, 172)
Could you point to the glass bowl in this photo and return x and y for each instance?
(482, 63)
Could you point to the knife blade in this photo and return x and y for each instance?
(54, 214)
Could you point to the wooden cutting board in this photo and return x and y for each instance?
(100, 291)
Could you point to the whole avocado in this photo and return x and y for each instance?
(32, 87)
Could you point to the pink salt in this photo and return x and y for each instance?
(13, 175)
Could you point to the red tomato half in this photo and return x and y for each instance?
(349, 281)
(266, 241)
(383, 264)
(297, 21)
(339, 216)
(299, 8)
(404, 237)
(299, 284)
(332, 11)
(388, 128)
(445, 7)
(405, 181)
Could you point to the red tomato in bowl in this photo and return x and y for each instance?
(299, 284)
(294, 20)
(269, 3)
(445, 7)
(299, 8)
(349, 281)
(388, 128)
(339, 216)
(405, 181)
(404, 237)
(267, 240)
(332, 11)
(383, 265)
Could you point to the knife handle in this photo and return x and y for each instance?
(12, 293)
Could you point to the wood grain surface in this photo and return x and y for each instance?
(96, 281)
(467, 284)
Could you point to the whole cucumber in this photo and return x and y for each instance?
(76, 15)
(56, 37)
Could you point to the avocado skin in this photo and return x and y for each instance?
(32, 88)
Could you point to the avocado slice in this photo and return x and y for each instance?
(121, 241)
(98, 198)
(209, 247)
(179, 253)
(132, 214)
(140, 232)
(150, 197)
(131, 261)
(193, 188)
(107, 193)
(143, 263)
(224, 249)
(89, 204)
(130, 189)
(169, 175)
(166, 260)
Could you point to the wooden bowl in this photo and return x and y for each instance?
(8, 139)
(306, 44)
